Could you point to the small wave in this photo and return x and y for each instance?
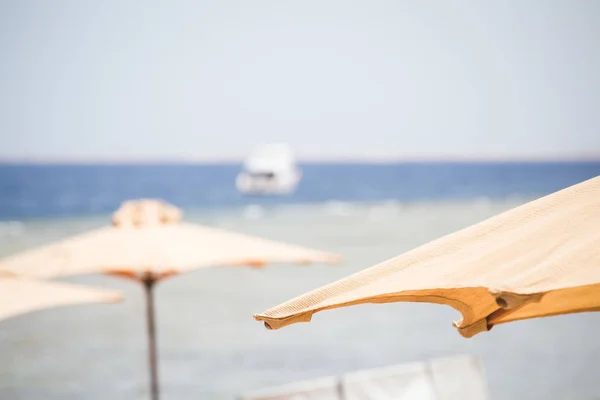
(383, 210)
(339, 208)
(482, 202)
(253, 212)
(12, 228)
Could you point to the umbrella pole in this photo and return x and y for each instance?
(148, 283)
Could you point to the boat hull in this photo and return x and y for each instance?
(278, 184)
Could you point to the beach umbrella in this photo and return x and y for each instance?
(20, 296)
(536, 260)
(147, 242)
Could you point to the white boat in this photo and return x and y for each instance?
(270, 170)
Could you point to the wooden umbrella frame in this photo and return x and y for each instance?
(149, 280)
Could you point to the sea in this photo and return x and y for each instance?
(209, 345)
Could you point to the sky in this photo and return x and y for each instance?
(336, 79)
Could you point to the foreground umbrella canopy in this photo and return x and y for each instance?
(539, 259)
(20, 296)
(147, 242)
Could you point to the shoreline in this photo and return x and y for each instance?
(333, 207)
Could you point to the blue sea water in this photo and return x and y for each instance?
(209, 345)
(33, 191)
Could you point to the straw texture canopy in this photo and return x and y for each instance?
(148, 237)
(19, 296)
(539, 259)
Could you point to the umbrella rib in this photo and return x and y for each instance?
(468, 320)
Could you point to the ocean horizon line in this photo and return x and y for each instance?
(301, 160)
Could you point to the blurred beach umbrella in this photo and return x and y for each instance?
(147, 242)
(536, 260)
(20, 296)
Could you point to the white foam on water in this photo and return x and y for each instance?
(253, 212)
(339, 208)
(383, 210)
(11, 228)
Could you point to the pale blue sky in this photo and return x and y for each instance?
(205, 79)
